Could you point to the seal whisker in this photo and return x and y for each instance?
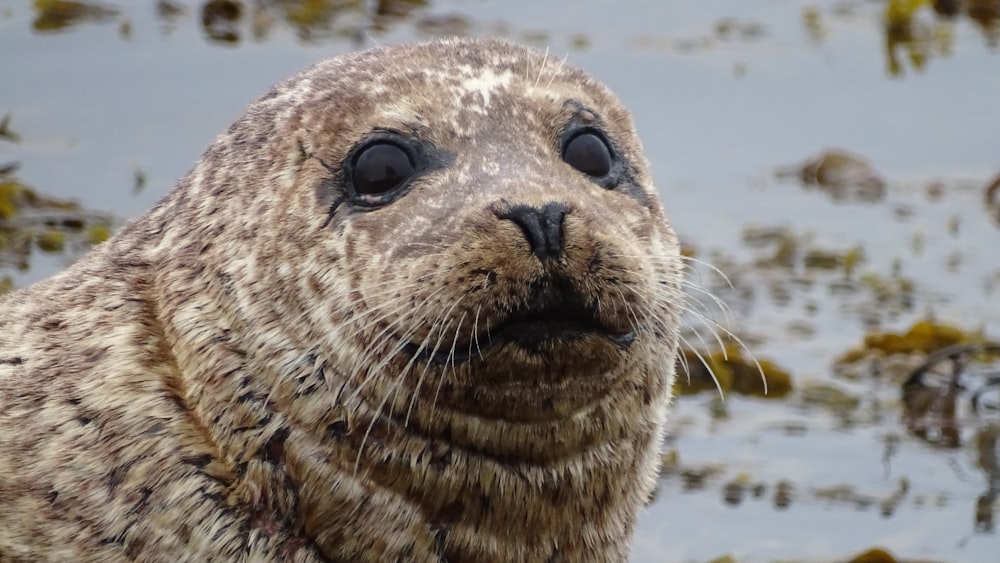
(396, 381)
(423, 374)
(633, 320)
(474, 339)
(541, 67)
(704, 362)
(682, 358)
(438, 246)
(392, 288)
(376, 414)
(708, 265)
(699, 287)
(454, 367)
(704, 344)
(655, 319)
(402, 345)
(373, 316)
(731, 335)
(374, 370)
(437, 329)
(722, 305)
(717, 329)
(554, 75)
(714, 328)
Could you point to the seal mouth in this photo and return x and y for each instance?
(535, 330)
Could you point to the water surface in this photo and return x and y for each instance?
(725, 93)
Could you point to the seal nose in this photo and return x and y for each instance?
(543, 227)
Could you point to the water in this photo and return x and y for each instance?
(724, 94)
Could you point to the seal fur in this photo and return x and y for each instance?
(265, 368)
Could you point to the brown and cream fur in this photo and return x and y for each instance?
(258, 369)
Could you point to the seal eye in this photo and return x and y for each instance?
(588, 153)
(380, 168)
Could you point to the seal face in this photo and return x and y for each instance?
(419, 303)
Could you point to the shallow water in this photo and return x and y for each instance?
(725, 94)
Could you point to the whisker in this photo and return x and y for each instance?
(541, 67)
(427, 364)
(377, 413)
(475, 334)
(705, 363)
(717, 271)
(715, 328)
(454, 367)
(385, 359)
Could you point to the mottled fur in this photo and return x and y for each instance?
(242, 373)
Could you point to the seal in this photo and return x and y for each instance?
(419, 303)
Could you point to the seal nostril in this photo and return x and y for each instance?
(542, 227)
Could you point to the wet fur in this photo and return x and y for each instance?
(243, 373)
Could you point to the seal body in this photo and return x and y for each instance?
(419, 303)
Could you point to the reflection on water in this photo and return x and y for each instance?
(915, 30)
(56, 15)
(988, 459)
(32, 223)
(931, 398)
(232, 21)
(914, 39)
(226, 21)
(841, 174)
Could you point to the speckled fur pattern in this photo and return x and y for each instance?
(243, 373)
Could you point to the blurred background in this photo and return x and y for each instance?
(831, 166)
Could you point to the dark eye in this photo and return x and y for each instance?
(588, 153)
(380, 168)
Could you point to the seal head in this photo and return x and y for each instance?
(419, 303)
